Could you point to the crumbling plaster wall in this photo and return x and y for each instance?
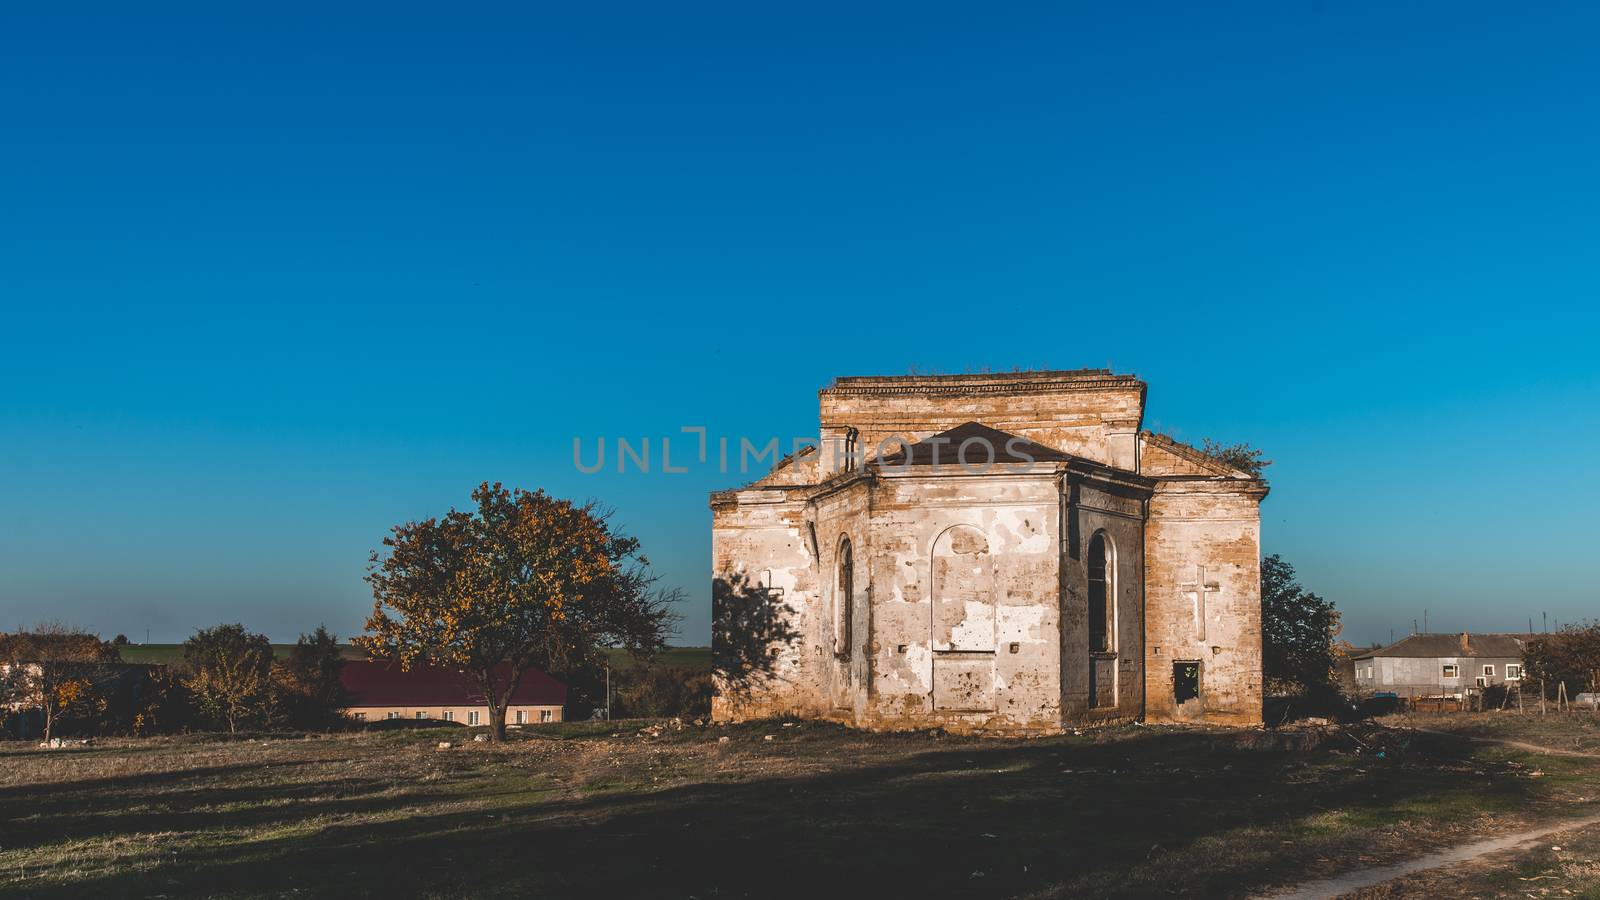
(1092, 508)
(1018, 517)
(761, 553)
(839, 514)
(1214, 523)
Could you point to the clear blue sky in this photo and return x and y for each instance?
(273, 281)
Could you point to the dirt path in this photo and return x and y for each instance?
(1520, 745)
(1353, 881)
(1339, 885)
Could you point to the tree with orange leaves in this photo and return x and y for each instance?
(57, 669)
(526, 580)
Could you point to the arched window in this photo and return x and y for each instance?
(846, 595)
(1100, 593)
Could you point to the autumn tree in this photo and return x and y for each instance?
(1570, 655)
(524, 580)
(57, 669)
(229, 676)
(1298, 632)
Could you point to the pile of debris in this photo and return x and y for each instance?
(657, 729)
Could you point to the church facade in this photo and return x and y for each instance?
(1003, 553)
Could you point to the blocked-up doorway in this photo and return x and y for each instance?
(963, 621)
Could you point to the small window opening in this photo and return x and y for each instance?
(1185, 681)
(1449, 671)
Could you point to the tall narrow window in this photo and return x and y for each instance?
(1099, 595)
(851, 438)
(846, 596)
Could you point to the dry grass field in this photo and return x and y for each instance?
(779, 809)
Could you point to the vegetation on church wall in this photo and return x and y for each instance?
(1241, 456)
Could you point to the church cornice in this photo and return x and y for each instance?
(985, 383)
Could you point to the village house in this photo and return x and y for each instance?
(379, 690)
(997, 552)
(1441, 665)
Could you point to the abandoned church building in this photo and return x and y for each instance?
(997, 552)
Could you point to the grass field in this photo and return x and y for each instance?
(171, 653)
(756, 810)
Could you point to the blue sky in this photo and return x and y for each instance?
(273, 281)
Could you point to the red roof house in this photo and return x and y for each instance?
(379, 689)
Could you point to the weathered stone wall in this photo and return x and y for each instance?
(1161, 456)
(1092, 414)
(997, 668)
(1214, 523)
(840, 514)
(764, 578)
(1118, 511)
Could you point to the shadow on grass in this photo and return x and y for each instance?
(1158, 813)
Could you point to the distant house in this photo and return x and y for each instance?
(380, 690)
(1441, 665)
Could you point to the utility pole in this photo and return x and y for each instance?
(608, 688)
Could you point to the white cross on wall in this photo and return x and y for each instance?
(1200, 587)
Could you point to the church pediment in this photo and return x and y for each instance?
(971, 445)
